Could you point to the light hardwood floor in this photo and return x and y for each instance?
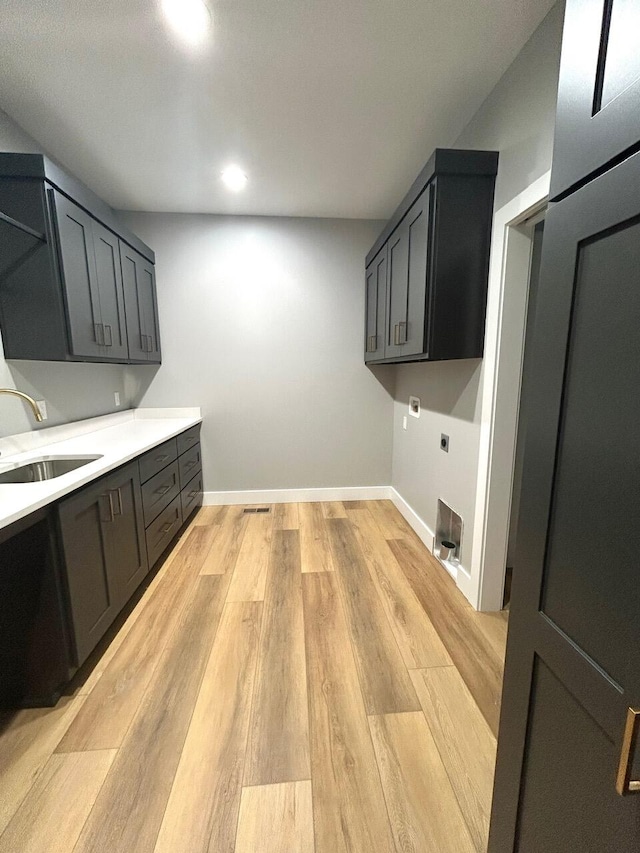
(304, 681)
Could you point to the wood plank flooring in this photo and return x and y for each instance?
(307, 680)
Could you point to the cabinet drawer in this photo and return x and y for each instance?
(191, 496)
(189, 463)
(161, 531)
(188, 439)
(159, 491)
(157, 459)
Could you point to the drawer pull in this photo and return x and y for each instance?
(163, 490)
(167, 527)
(162, 457)
(191, 464)
(194, 494)
(118, 491)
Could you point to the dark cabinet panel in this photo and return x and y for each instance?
(157, 459)
(105, 556)
(128, 554)
(188, 439)
(397, 284)
(191, 496)
(598, 117)
(189, 463)
(375, 309)
(141, 306)
(160, 490)
(79, 278)
(109, 276)
(435, 254)
(573, 658)
(407, 282)
(162, 531)
(84, 520)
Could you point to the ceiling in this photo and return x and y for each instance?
(331, 106)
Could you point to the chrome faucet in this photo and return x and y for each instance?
(34, 406)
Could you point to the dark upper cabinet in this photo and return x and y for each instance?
(436, 253)
(598, 115)
(61, 271)
(102, 533)
(141, 306)
(375, 308)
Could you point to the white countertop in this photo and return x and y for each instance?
(118, 438)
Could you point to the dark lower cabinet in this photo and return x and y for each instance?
(598, 117)
(568, 770)
(102, 533)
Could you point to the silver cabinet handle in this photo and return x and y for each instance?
(107, 328)
(162, 457)
(98, 333)
(143, 342)
(119, 494)
(109, 500)
(163, 490)
(190, 464)
(167, 527)
(400, 333)
(372, 343)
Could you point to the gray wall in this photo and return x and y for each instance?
(261, 322)
(72, 391)
(517, 119)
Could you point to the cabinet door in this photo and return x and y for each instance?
(109, 275)
(84, 523)
(376, 294)
(573, 656)
(397, 287)
(127, 564)
(407, 289)
(139, 281)
(147, 285)
(417, 250)
(599, 89)
(79, 278)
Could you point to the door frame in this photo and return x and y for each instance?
(509, 273)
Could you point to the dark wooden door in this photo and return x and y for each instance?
(85, 520)
(109, 275)
(599, 90)
(138, 275)
(127, 552)
(79, 278)
(376, 295)
(573, 656)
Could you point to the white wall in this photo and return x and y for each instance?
(517, 119)
(72, 391)
(261, 322)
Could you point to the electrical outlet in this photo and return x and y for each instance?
(444, 442)
(42, 405)
(414, 406)
(404, 422)
(117, 397)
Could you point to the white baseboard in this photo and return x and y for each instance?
(423, 530)
(283, 496)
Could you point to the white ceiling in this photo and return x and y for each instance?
(331, 106)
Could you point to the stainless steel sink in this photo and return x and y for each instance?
(45, 468)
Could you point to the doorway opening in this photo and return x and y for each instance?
(513, 276)
(536, 223)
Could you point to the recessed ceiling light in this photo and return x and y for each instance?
(191, 19)
(234, 178)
